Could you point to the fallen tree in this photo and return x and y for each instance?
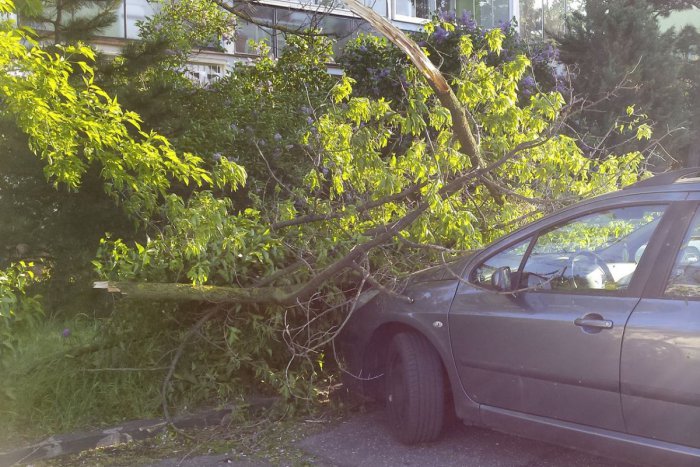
(387, 189)
(531, 143)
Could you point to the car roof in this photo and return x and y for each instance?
(676, 181)
(687, 179)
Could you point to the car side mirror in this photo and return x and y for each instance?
(501, 278)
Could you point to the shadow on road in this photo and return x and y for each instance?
(364, 440)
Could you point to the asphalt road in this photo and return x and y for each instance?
(363, 440)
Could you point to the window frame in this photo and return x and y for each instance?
(535, 230)
(656, 289)
(410, 19)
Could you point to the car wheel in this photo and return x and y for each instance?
(415, 393)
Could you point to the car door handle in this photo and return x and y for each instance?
(593, 323)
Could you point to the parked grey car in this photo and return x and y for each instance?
(581, 329)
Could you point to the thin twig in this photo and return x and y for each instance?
(178, 354)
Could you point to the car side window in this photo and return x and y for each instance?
(598, 251)
(685, 275)
(510, 257)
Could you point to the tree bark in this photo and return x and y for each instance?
(196, 293)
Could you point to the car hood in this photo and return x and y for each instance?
(450, 270)
(442, 272)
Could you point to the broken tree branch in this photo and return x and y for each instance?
(435, 78)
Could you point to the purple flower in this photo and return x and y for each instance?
(546, 55)
(527, 82)
(66, 333)
(440, 34)
(447, 16)
(561, 88)
(216, 156)
(506, 26)
(309, 120)
(466, 20)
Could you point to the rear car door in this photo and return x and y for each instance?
(553, 349)
(660, 361)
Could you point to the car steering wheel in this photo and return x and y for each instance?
(597, 260)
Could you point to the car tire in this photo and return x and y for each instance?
(414, 389)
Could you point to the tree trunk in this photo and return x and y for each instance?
(196, 293)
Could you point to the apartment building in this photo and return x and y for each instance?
(533, 17)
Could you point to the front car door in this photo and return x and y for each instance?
(552, 347)
(660, 363)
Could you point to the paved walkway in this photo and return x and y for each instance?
(363, 440)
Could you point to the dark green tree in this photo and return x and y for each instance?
(620, 57)
(665, 7)
(66, 21)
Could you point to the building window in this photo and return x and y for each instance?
(378, 5)
(487, 13)
(247, 32)
(204, 73)
(292, 21)
(412, 10)
(494, 13)
(539, 19)
(339, 28)
(128, 13)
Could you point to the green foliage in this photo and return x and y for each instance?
(200, 242)
(73, 126)
(257, 114)
(20, 311)
(365, 150)
(49, 224)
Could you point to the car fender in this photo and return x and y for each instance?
(423, 310)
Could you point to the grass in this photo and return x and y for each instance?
(90, 372)
(44, 389)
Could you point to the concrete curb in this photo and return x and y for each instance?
(73, 443)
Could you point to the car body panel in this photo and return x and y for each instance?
(525, 353)
(660, 360)
(629, 448)
(363, 343)
(660, 371)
